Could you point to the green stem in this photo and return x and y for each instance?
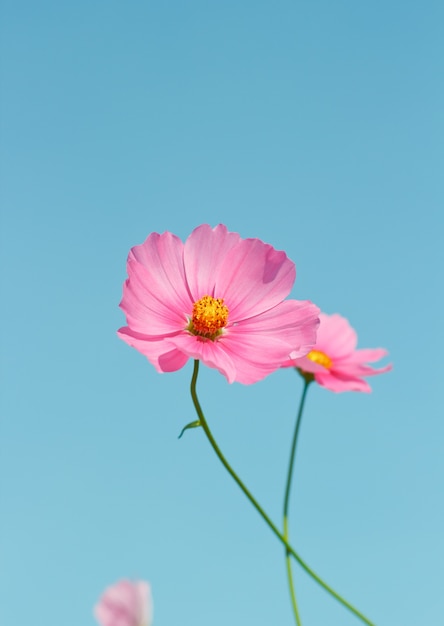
(257, 506)
(287, 501)
(294, 603)
(293, 448)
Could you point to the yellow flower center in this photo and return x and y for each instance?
(210, 315)
(320, 358)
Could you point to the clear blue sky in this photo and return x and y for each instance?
(315, 126)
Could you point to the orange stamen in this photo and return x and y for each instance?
(320, 358)
(210, 315)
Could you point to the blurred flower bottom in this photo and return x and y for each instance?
(127, 603)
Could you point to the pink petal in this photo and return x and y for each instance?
(368, 355)
(359, 369)
(126, 603)
(162, 256)
(156, 295)
(172, 361)
(204, 254)
(247, 370)
(290, 326)
(335, 336)
(338, 384)
(253, 359)
(149, 311)
(212, 353)
(254, 278)
(160, 352)
(305, 364)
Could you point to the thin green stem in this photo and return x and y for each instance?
(293, 448)
(294, 442)
(257, 506)
(294, 603)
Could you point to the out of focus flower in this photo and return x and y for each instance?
(127, 603)
(334, 362)
(217, 298)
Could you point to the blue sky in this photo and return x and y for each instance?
(316, 127)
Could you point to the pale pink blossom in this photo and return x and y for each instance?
(127, 603)
(217, 298)
(334, 361)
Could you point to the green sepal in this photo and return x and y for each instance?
(194, 424)
(307, 376)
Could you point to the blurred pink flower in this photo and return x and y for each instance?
(334, 361)
(217, 298)
(127, 603)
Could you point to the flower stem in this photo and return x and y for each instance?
(287, 502)
(257, 506)
(294, 603)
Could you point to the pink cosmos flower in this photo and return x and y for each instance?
(217, 298)
(334, 361)
(126, 603)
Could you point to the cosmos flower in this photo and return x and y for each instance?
(127, 603)
(217, 298)
(334, 362)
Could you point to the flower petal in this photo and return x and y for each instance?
(335, 336)
(148, 309)
(205, 252)
(305, 364)
(292, 325)
(156, 298)
(360, 369)
(254, 278)
(248, 371)
(160, 352)
(367, 355)
(126, 603)
(211, 353)
(336, 383)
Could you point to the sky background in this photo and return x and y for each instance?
(314, 126)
